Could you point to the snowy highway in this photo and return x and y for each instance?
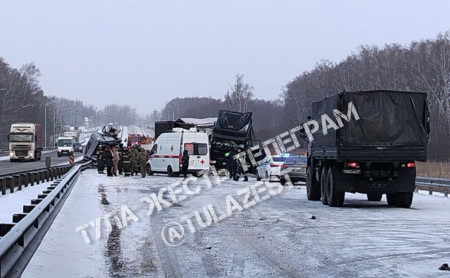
(7, 167)
(253, 230)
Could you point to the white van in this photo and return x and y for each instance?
(65, 145)
(167, 151)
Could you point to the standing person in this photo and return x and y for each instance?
(100, 159)
(143, 157)
(231, 162)
(115, 154)
(126, 162)
(132, 160)
(108, 161)
(240, 169)
(120, 165)
(185, 162)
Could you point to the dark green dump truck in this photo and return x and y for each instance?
(366, 142)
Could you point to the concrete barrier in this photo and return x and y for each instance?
(10, 183)
(23, 180)
(30, 179)
(16, 183)
(3, 185)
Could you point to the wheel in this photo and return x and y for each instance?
(39, 156)
(59, 155)
(404, 199)
(149, 170)
(169, 171)
(374, 197)
(391, 199)
(335, 198)
(258, 178)
(266, 176)
(323, 185)
(282, 181)
(312, 186)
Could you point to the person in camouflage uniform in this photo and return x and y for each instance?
(134, 161)
(100, 159)
(126, 162)
(120, 164)
(143, 157)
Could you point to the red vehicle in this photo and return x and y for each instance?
(133, 140)
(144, 140)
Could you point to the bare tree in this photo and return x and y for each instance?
(240, 96)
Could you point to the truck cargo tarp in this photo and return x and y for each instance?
(387, 118)
(233, 123)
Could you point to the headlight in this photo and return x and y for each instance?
(11, 154)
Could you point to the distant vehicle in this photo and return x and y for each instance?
(167, 151)
(134, 140)
(297, 165)
(73, 133)
(77, 147)
(144, 140)
(272, 168)
(65, 145)
(25, 142)
(374, 154)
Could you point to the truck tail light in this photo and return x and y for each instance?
(284, 166)
(353, 164)
(274, 165)
(410, 165)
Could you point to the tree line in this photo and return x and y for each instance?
(23, 100)
(422, 66)
(266, 114)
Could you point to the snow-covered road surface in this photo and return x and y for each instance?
(273, 238)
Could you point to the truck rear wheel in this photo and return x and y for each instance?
(312, 186)
(400, 199)
(376, 197)
(323, 185)
(391, 199)
(335, 198)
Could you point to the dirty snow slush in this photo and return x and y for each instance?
(277, 237)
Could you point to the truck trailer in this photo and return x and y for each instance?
(368, 142)
(25, 142)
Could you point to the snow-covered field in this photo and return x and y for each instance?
(274, 237)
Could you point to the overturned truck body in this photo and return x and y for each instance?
(367, 142)
(99, 141)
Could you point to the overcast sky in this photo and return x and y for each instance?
(144, 53)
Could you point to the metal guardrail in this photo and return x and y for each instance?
(18, 180)
(19, 241)
(433, 185)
